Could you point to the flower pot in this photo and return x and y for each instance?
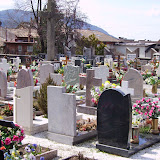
(135, 135)
(154, 88)
(154, 129)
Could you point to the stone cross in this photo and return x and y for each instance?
(90, 81)
(125, 88)
(4, 66)
(16, 62)
(50, 15)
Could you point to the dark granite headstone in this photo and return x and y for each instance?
(114, 120)
(77, 62)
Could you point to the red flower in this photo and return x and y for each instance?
(8, 141)
(15, 138)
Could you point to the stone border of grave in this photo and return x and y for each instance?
(82, 108)
(72, 140)
(125, 152)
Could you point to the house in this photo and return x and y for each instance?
(141, 49)
(18, 41)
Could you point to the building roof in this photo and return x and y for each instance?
(23, 32)
(101, 36)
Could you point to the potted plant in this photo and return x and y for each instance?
(149, 109)
(7, 112)
(153, 80)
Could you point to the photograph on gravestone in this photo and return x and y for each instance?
(114, 119)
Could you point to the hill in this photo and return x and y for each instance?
(7, 16)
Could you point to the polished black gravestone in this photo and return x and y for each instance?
(114, 120)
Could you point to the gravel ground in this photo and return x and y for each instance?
(89, 150)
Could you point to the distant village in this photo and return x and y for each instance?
(21, 41)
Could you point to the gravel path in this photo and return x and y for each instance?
(89, 150)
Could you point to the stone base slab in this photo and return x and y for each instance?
(86, 109)
(71, 140)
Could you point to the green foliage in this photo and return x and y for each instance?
(42, 95)
(100, 49)
(144, 129)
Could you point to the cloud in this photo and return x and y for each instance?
(154, 11)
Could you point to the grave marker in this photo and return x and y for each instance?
(90, 81)
(3, 85)
(24, 79)
(4, 66)
(71, 74)
(114, 122)
(135, 81)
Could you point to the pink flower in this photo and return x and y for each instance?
(150, 114)
(143, 99)
(136, 110)
(147, 107)
(134, 105)
(15, 138)
(16, 125)
(152, 108)
(21, 138)
(8, 141)
(142, 107)
(145, 113)
(141, 113)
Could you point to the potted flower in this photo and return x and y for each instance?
(7, 112)
(149, 109)
(153, 80)
(88, 66)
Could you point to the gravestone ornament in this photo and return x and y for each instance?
(114, 120)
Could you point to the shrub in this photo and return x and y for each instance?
(42, 95)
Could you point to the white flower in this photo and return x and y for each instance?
(32, 157)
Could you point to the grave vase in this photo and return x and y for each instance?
(135, 135)
(154, 88)
(154, 129)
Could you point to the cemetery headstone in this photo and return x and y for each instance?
(71, 74)
(146, 67)
(23, 112)
(135, 81)
(57, 78)
(101, 72)
(4, 66)
(87, 53)
(3, 85)
(90, 81)
(24, 79)
(45, 70)
(16, 62)
(125, 88)
(62, 117)
(114, 122)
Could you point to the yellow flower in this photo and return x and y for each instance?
(13, 154)
(102, 85)
(107, 82)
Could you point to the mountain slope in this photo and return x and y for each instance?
(7, 18)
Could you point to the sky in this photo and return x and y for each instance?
(132, 19)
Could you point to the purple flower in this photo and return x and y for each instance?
(35, 145)
(41, 158)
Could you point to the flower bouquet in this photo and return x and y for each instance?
(97, 91)
(147, 108)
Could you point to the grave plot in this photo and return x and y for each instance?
(114, 125)
(62, 118)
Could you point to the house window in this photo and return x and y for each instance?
(19, 48)
(29, 48)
